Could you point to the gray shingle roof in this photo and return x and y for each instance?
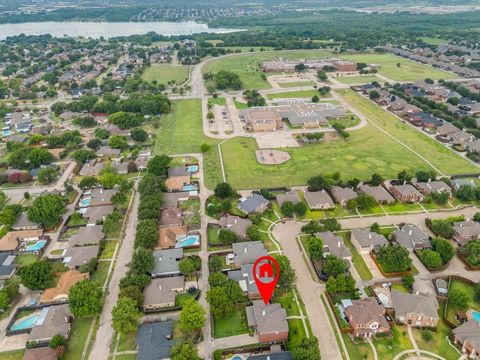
(55, 322)
(166, 261)
(78, 256)
(236, 224)
(248, 252)
(154, 341)
(378, 192)
(410, 236)
(405, 303)
(367, 238)
(252, 203)
(333, 244)
(268, 318)
(291, 196)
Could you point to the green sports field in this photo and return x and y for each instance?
(358, 79)
(164, 73)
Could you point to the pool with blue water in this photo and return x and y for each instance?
(190, 240)
(190, 187)
(26, 323)
(85, 201)
(37, 246)
(192, 169)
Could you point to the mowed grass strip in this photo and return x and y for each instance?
(295, 94)
(357, 79)
(181, 132)
(164, 73)
(407, 71)
(438, 155)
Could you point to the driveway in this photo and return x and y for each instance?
(310, 291)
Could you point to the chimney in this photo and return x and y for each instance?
(410, 232)
(369, 235)
(263, 312)
(338, 244)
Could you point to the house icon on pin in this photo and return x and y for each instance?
(266, 270)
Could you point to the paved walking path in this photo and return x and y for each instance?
(234, 341)
(374, 350)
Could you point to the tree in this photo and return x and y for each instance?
(125, 315)
(466, 193)
(430, 258)
(215, 263)
(440, 198)
(408, 281)
(135, 280)
(376, 179)
(82, 156)
(287, 209)
(322, 75)
(118, 142)
(220, 302)
(315, 99)
(425, 176)
(85, 299)
(134, 293)
(146, 235)
(204, 148)
(374, 95)
(88, 182)
(315, 248)
(375, 227)
(143, 261)
(318, 183)
(334, 265)
(189, 265)
(223, 191)
(458, 298)
(312, 227)
(365, 202)
(287, 277)
(139, 135)
(158, 165)
(94, 143)
(36, 276)
(395, 257)
(404, 177)
(253, 233)
(227, 236)
(307, 349)
(57, 341)
(184, 351)
(47, 209)
(444, 249)
(218, 279)
(330, 224)
(300, 208)
(192, 316)
(47, 175)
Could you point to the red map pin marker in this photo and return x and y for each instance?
(265, 273)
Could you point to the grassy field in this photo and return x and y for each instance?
(433, 41)
(357, 79)
(469, 290)
(181, 132)
(439, 156)
(247, 66)
(230, 325)
(12, 355)
(164, 73)
(295, 84)
(408, 70)
(387, 348)
(78, 336)
(294, 94)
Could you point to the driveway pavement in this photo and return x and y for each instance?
(309, 290)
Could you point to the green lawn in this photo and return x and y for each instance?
(78, 337)
(100, 275)
(181, 131)
(230, 325)
(127, 342)
(217, 101)
(110, 246)
(357, 79)
(408, 70)
(294, 94)
(467, 289)
(12, 355)
(288, 303)
(25, 259)
(296, 332)
(388, 347)
(439, 343)
(433, 40)
(357, 259)
(181, 298)
(360, 351)
(164, 73)
(295, 84)
(247, 66)
(400, 287)
(126, 357)
(439, 156)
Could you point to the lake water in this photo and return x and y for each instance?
(106, 29)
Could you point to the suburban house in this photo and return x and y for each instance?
(247, 252)
(107, 151)
(291, 196)
(171, 217)
(270, 321)
(235, 224)
(55, 320)
(406, 193)
(245, 279)
(319, 200)
(280, 355)
(366, 317)
(254, 203)
(23, 223)
(98, 197)
(412, 237)
(446, 129)
(415, 310)
(177, 171)
(11, 241)
(41, 353)
(97, 214)
(468, 335)
(171, 200)
(343, 195)
(366, 241)
(92, 168)
(426, 188)
(166, 262)
(334, 245)
(154, 340)
(464, 231)
(458, 183)
(461, 137)
(87, 235)
(169, 235)
(60, 292)
(75, 257)
(161, 292)
(176, 183)
(379, 193)
(7, 266)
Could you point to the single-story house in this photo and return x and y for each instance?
(107, 151)
(468, 336)
(235, 224)
(247, 252)
(161, 292)
(171, 217)
(254, 203)
(75, 257)
(412, 237)
(174, 171)
(406, 193)
(245, 279)
(7, 266)
(319, 200)
(60, 292)
(23, 223)
(98, 197)
(464, 231)
(379, 193)
(154, 340)
(169, 235)
(280, 355)
(367, 318)
(87, 235)
(97, 214)
(291, 196)
(166, 262)
(366, 241)
(171, 200)
(92, 168)
(343, 195)
(41, 353)
(418, 310)
(334, 245)
(11, 240)
(56, 320)
(176, 183)
(270, 321)
(426, 188)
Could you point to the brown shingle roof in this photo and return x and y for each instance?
(66, 281)
(10, 241)
(167, 236)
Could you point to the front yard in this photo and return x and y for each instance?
(78, 337)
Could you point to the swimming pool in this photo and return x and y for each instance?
(6, 133)
(85, 201)
(26, 323)
(190, 240)
(190, 187)
(476, 316)
(237, 357)
(37, 246)
(192, 169)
